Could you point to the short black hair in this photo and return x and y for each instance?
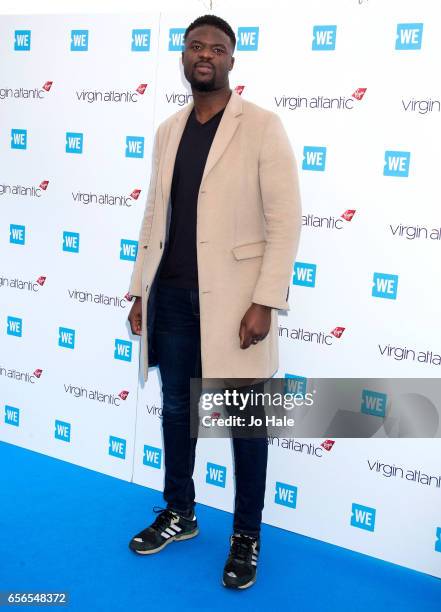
(214, 21)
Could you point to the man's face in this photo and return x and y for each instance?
(207, 58)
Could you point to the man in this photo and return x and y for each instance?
(216, 250)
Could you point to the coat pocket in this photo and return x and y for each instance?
(251, 249)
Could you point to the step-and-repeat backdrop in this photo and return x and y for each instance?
(353, 82)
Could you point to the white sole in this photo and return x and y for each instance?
(174, 539)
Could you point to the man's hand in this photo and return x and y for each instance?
(255, 325)
(135, 316)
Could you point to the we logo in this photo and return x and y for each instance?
(216, 475)
(22, 40)
(286, 495)
(74, 142)
(295, 384)
(363, 517)
(409, 36)
(62, 431)
(152, 456)
(141, 40)
(14, 326)
(373, 402)
(135, 146)
(128, 249)
(71, 242)
(438, 540)
(19, 139)
(12, 416)
(79, 40)
(176, 39)
(117, 447)
(17, 234)
(66, 337)
(314, 158)
(248, 39)
(304, 274)
(324, 37)
(385, 286)
(123, 350)
(396, 163)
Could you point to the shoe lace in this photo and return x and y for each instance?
(242, 546)
(164, 519)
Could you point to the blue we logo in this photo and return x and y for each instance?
(123, 350)
(141, 40)
(396, 163)
(176, 39)
(62, 431)
(286, 495)
(22, 40)
(385, 286)
(152, 456)
(128, 250)
(71, 242)
(66, 337)
(294, 384)
(216, 475)
(19, 139)
(409, 36)
(304, 274)
(438, 540)
(324, 37)
(79, 40)
(12, 416)
(117, 447)
(14, 327)
(363, 517)
(373, 403)
(248, 39)
(74, 142)
(17, 234)
(135, 146)
(314, 158)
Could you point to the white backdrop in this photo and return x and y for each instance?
(79, 403)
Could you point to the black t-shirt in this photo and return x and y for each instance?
(179, 265)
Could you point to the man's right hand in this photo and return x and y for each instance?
(135, 317)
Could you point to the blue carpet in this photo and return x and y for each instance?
(66, 528)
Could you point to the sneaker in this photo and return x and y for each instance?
(240, 568)
(167, 527)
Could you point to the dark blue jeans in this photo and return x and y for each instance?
(178, 346)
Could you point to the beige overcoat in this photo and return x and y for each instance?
(248, 227)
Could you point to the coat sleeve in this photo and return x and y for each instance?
(279, 186)
(144, 233)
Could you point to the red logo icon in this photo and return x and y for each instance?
(215, 415)
(141, 88)
(41, 280)
(128, 297)
(123, 395)
(328, 444)
(348, 215)
(135, 194)
(47, 86)
(359, 93)
(239, 89)
(43, 185)
(338, 331)
(38, 373)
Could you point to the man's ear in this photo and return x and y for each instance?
(182, 57)
(232, 62)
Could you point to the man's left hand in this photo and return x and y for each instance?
(255, 325)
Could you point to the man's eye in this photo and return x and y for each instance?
(219, 50)
(194, 46)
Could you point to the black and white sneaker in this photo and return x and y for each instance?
(167, 527)
(241, 566)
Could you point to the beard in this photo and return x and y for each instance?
(199, 85)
